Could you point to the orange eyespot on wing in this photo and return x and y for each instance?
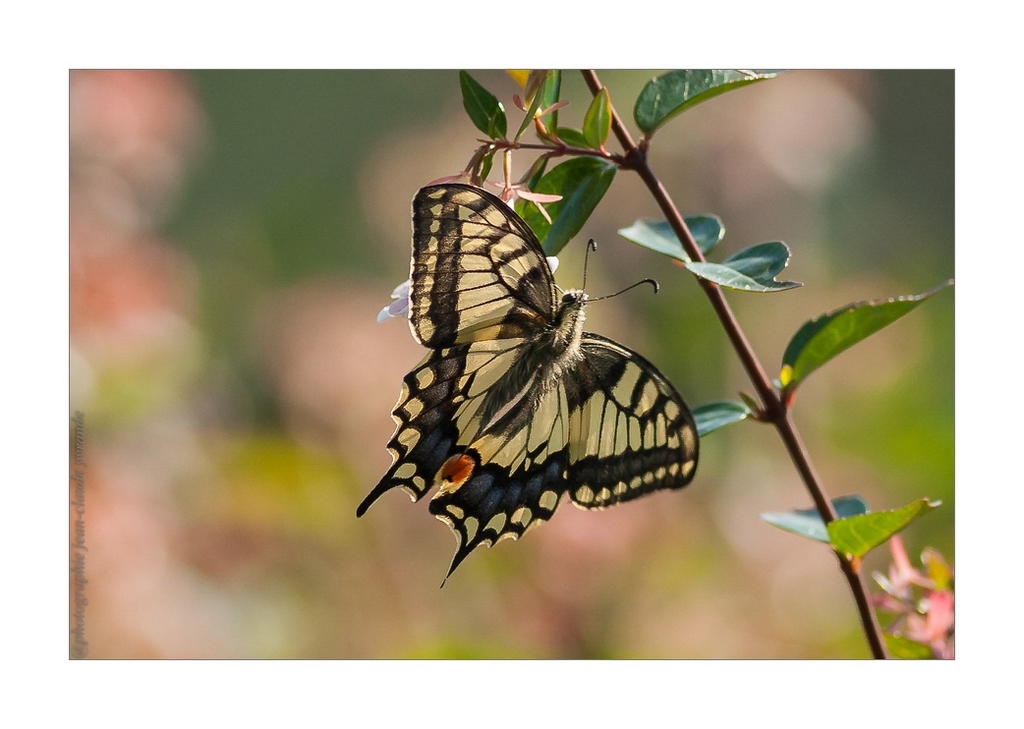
(456, 470)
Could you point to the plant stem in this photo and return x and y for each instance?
(558, 150)
(774, 410)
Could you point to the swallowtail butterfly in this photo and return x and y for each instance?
(515, 405)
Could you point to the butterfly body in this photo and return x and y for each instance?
(515, 405)
(540, 365)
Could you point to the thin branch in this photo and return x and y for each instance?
(772, 406)
(558, 150)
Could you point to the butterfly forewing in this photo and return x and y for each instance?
(478, 271)
(514, 406)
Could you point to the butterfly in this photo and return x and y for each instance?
(514, 405)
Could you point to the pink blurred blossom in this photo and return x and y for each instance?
(923, 603)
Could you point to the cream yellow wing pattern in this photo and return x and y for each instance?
(515, 406)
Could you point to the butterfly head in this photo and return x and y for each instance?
(574, 297)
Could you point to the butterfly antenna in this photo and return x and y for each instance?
(650, 281)
(591, 246)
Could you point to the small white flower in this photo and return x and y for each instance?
(400, 305)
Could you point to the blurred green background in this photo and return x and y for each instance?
(233, 236)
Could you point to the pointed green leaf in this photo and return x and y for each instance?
(539, 86)
(752, 269)
(672, 93)
(750, 402)
(598, 121)
(528, 117)
(486, 163)
(582, 182)
(572, 137)
(857, 535)
(484, 109)
(532, 176)
(808, 523)
(761, 262)
(549, 95)
(821, 339)
(714, 415)
(707, 230)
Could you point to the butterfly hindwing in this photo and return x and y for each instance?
(634, 434)
(611, 429)
(425, 433)
(440, 412)
(509, 477)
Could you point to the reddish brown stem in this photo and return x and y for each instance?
(774, 410)
(559, 150)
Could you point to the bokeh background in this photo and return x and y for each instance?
(233, 236)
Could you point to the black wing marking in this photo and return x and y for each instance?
(633, 433)
(441, 410)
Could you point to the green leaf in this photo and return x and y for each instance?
(900, 647)
(484, 109)
(752, 269)
(808, 523)
(598, 121)
(672, 93)
(857, 535)
(532, 176)
(821, 339)
(539, 86)
(714, 415)
(750, 402)
(549, 94)
(528, 117)
(762, 262)
(572, 137)
(658, 235)
(582, 182)
(485, 165)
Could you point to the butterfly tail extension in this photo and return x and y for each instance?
(483, 504)
(460, 554)
(383, 486)
(368, 501)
